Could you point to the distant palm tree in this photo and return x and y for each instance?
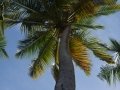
(111, 73)
(55, 29)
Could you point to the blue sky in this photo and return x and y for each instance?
(14, 72)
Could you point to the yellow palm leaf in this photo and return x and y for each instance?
(79, 54)
(103, 55)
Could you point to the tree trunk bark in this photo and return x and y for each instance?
(66, 80)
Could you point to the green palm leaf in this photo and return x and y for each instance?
(94, 27)
(32, 44)
(115, 46)
(111, 74)
(2, 46)
(46, 54)
(106, 73)
(99, 51)
(107, 10)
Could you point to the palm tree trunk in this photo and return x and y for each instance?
(66, 80)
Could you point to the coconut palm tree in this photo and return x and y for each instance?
(111, 73)
(55, 29)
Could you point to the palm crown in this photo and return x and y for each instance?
(43, 21)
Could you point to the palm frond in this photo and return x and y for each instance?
(79, 54)
(1, 27)
(10, 14)
(91, 8)
(27, 27)
(117, 70)
(100, 51)
(84, 9)
(93, 44)
(3, 53)
(28, 5)
(46, 54)
(106, 74)
(94, 27)
(108, 9)
(32, 43)
(17, 11)
(14, 12)
(111, 74)
(87, 23)
(115, 46)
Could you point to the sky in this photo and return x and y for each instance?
(14, 73)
